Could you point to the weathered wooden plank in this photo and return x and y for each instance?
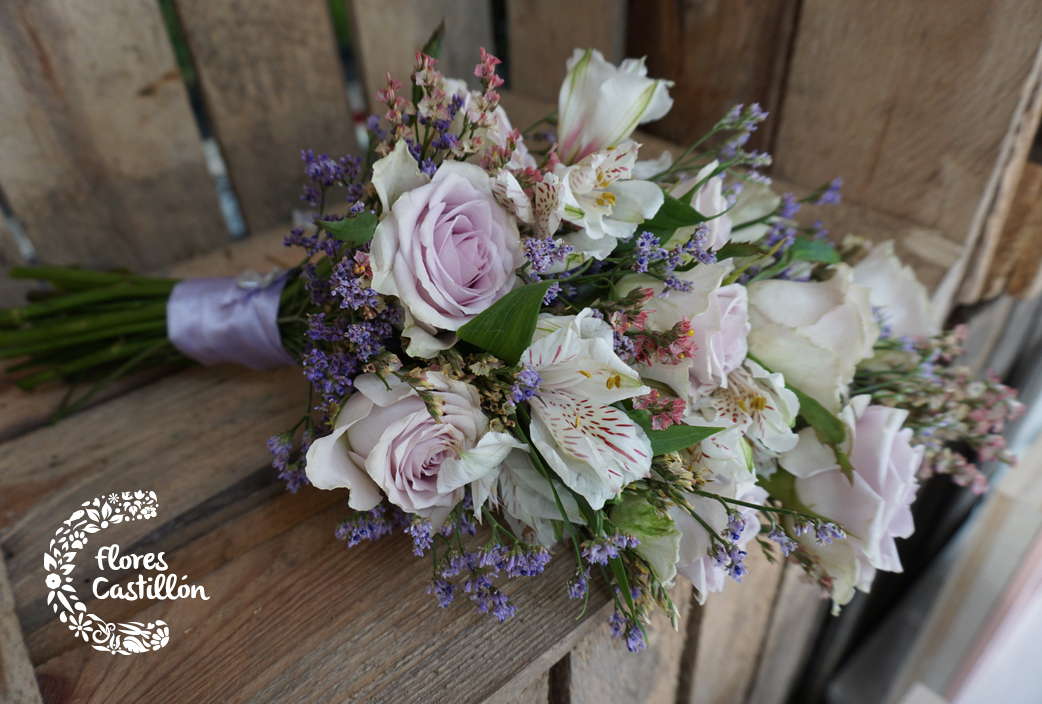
(602, 671)
(17, 679)
(1006, 175)
(1018, 255)
(909, 102)
(536, 693)
(21, 412)
(542, 34)
(97, 121)
(189, 437)
(387, 34)
(795, 617)
(301, 618)
(272, 85)
(724, 667)
(719, 53)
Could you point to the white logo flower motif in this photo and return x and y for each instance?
(94, 516)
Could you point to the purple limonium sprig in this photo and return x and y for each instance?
(526, 385)
(578, 585)
(826, 532)
(420, 530)
(785, 543)
(735, 526)
(789, 207)
(365, 525)
(544, 252)
(443, 590)
(831, 195)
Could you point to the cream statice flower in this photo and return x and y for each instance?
(600, 104)
(600, 197)
(594, 448)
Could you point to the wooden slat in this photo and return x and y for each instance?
(387, 34)
(21, 412)
(795, 617)
(536, 693)
(302, 618)
(724, 667)
(272, 84)
(1006, 175)
(909, 102)
(96, 120)
(17, 679)
(1018, 256)
(602, 671)
(719, 53)
(542, 34)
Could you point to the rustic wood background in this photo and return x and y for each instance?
(927, 108)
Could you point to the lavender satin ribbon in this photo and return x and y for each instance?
(228, 319)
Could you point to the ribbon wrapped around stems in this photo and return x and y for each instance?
(229, 319)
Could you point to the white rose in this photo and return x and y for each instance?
(895, 290)
(814, 333)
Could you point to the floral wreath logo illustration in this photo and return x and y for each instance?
(95, 516)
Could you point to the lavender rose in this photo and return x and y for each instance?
(446, 248)
(874, 508)
(385, 439)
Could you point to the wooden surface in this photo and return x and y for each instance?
(543, 34)
(17, 680)
(724, 668)
(100, 156)
(1017, 263)
(602, 671)
(272, 85)
(911, 103)
(795, 617)
(719, 53)
(12, 292)
(387, 34)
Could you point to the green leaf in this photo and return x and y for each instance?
(354, 231)
(829, 428)
(738, 249)
(808, 250)
(673, 438)
(673, 215)
(434, 45)
(506, 328)
(844, 463)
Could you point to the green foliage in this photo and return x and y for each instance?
(506, 328)
(673, 438)
(354, 231)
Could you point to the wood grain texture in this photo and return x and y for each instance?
(272, 85)
(1006, 176)
(795, 618)
(302, 618)
(725, 667)
(22, 412)
(100, 156)
(909, 102)
(1018, 254)
(719, 53)
(388, 33)
(603, 671)
(17, 679)
(542, 34)
(189, 438)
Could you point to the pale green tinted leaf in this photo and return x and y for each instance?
(506, 328)
(354, 231)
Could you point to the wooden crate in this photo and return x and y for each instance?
(102, 164)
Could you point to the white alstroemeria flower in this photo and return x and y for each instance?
(479, 467)
(543, 209)
(893, 288)
(594, 448)
(758, 402)
(813, 332)
(395, 174)
(600, 104)
(599, 197)
(710, 202)
(526, 499)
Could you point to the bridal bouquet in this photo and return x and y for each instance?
(648, 363)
